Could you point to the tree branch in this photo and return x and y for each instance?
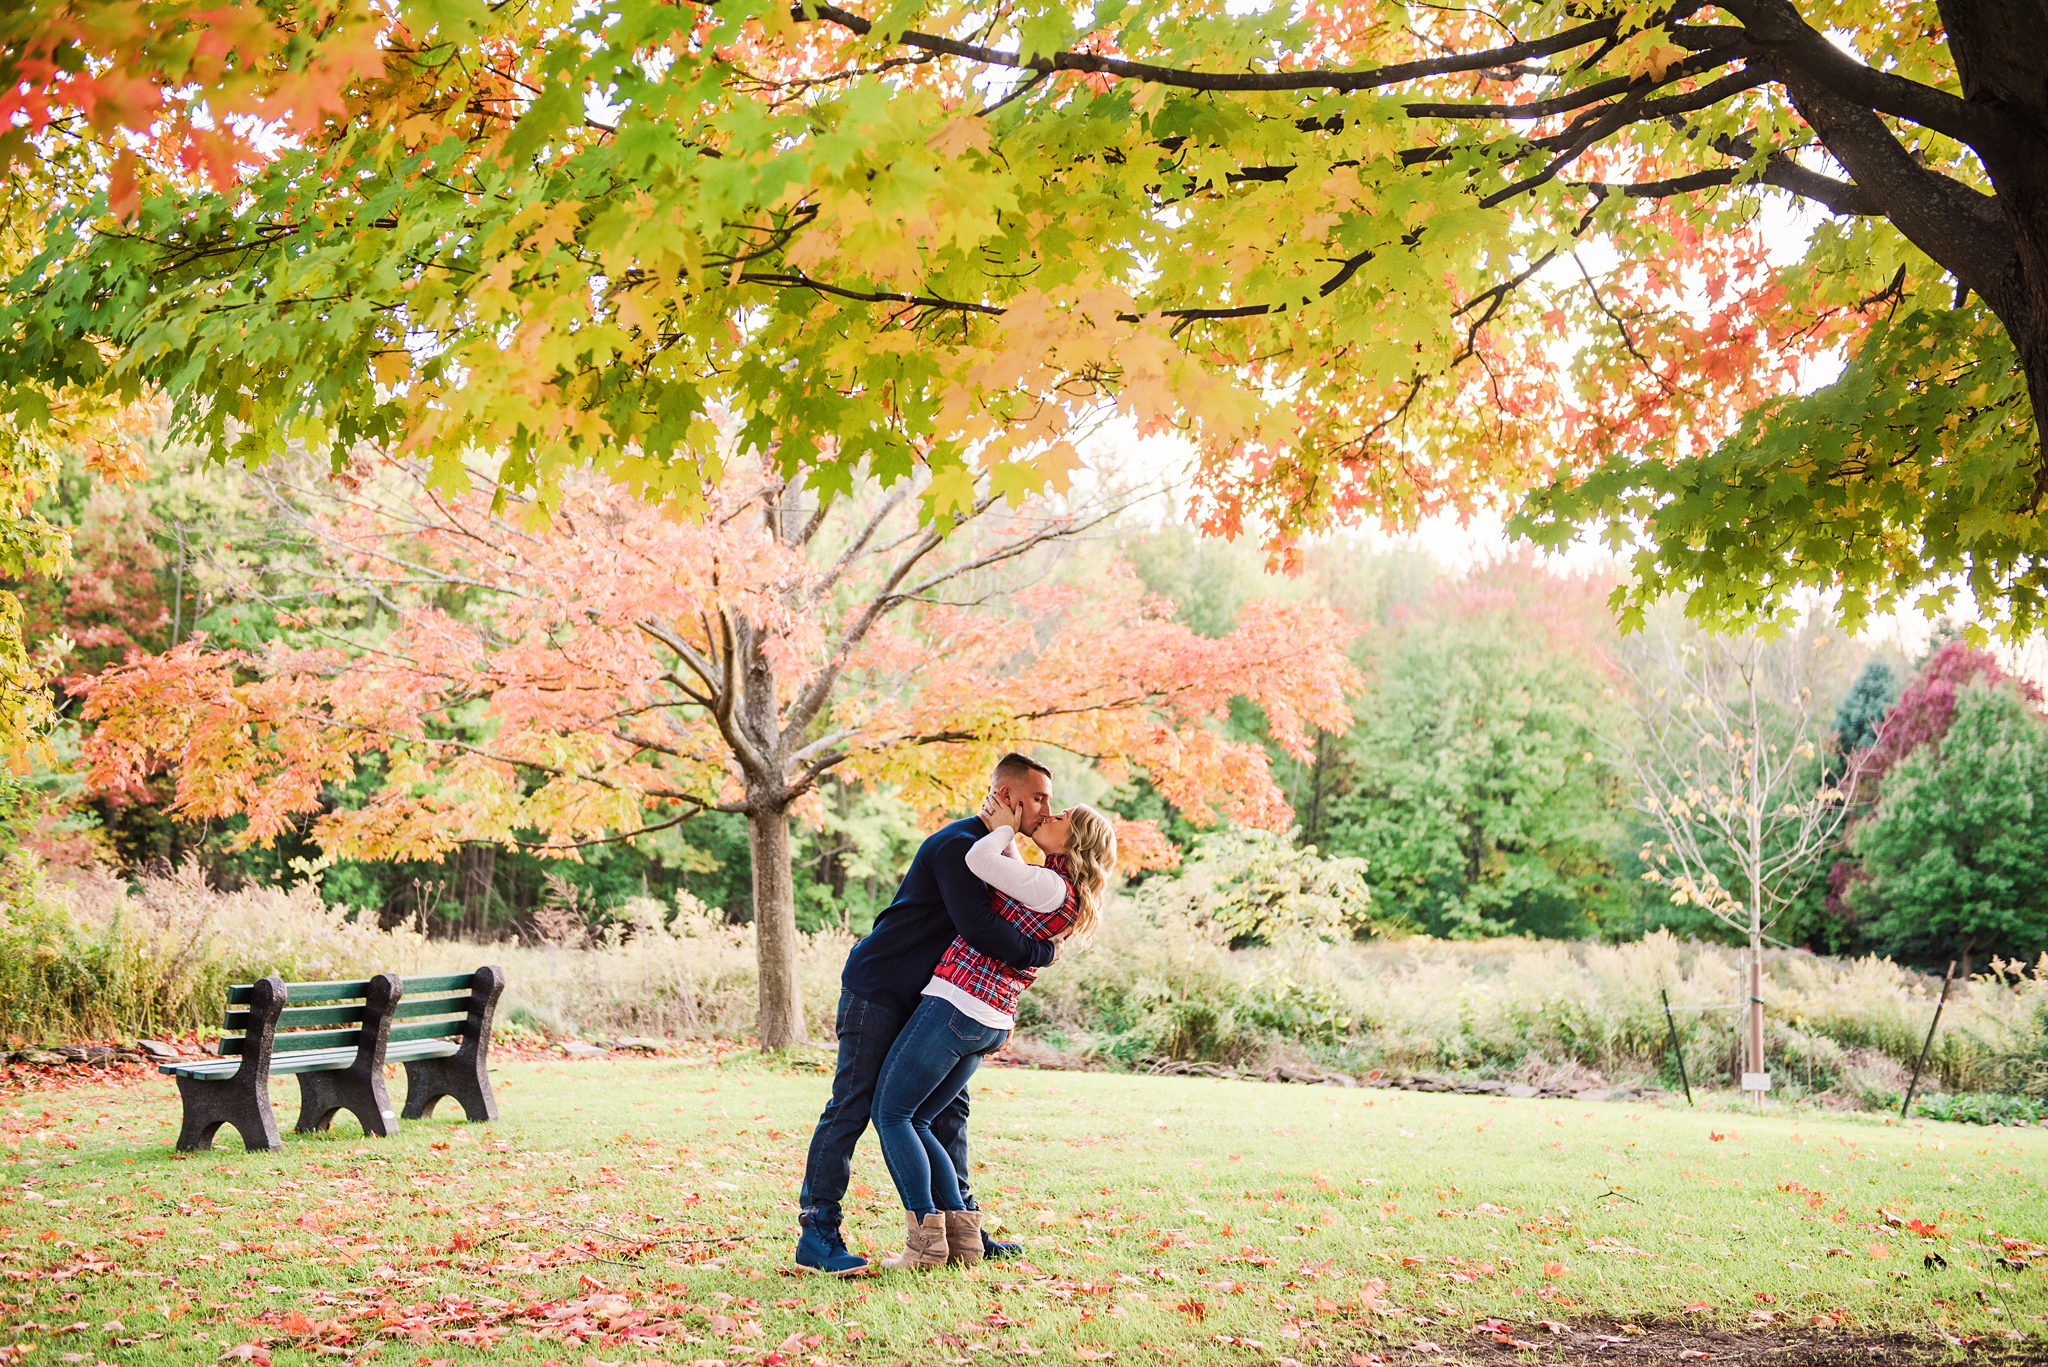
(1966, 231)
(805, 709)
(1801, 49)
(704, 669)
(1371, 78)
(1577, 99)
(830, 579)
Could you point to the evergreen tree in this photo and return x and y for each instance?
(1864, 706)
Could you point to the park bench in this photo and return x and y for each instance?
(342, 1069)
(467, 1002)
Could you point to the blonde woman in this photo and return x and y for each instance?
(968, 1009)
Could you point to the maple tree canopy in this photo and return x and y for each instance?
(1368, 258)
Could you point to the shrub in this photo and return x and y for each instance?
(1252, 886)
(1982, 1109)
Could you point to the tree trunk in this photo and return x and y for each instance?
(1318, 779)
(2001, 50)
(476, 875)
(781, 1020)
(1753, 1042)
(1756, 880)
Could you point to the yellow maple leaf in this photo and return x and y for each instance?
(1015, 480)
(1057, 464)
(1649, 54)
(955, 136)
(391, 366)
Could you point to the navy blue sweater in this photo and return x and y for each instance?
(938, 899)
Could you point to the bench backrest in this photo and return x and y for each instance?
(299, 1028)
(455, 1001)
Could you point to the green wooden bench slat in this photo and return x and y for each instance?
(324, 992)
(299, 1041)
(299, 1017)
(429, 1030)
(207, 1068)
(432, 1006)
(421, 1048)
(243, 993)
(313, 1061)
(445, 982)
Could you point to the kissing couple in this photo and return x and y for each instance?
(931, 990)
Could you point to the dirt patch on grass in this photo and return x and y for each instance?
(1680, 1343)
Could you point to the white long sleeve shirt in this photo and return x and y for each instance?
(993, 859)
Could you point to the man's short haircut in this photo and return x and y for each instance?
(1012, 768)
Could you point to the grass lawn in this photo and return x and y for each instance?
(635, 1210)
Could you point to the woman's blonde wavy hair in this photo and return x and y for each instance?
(1091, 859)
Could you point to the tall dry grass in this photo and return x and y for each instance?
(99, 959)
(1154, 985)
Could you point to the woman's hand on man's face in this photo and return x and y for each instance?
(997, 810)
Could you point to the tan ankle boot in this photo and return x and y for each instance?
(963, 1237)
(925, 1243)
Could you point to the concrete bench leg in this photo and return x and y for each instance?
(358, 1088)
(465, 1076)
(213, 1102)
(242, 1100)
(323, 1095)
(461, 1079)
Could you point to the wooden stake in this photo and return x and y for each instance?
(1676, 1051)
(1926, 1048)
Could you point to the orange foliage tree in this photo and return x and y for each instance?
(606, 670)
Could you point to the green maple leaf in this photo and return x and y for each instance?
(1016, 480)
(951, 489)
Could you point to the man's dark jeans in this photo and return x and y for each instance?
(866, 1030)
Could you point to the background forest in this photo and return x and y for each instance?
(1511, 769)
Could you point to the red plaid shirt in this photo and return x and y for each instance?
(992, 980)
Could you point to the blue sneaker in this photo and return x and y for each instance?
(823, 1251)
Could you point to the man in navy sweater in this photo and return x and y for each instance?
(884, 977)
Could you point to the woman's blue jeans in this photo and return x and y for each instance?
(927, 1067)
